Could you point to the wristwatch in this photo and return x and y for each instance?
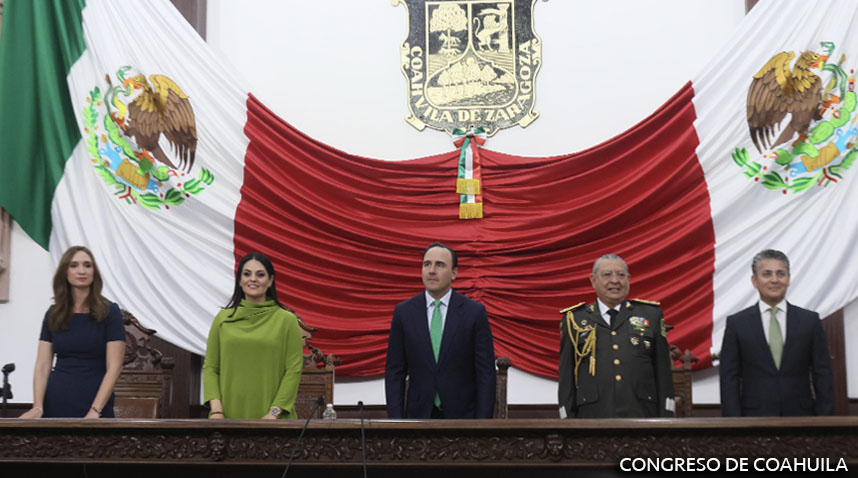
(275, 410)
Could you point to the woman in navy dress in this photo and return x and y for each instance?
(85, 332)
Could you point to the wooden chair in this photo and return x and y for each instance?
(317, 377)
(144, 388)
(682, 381)
(501, 408)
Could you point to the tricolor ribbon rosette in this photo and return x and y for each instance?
(468, 182)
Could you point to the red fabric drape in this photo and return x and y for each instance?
(347, 233)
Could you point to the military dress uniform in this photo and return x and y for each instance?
(621, 370)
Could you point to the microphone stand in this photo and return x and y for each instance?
(7, 390)
(320, 400)
(362, 437)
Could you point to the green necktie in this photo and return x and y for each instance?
(776, 338)
(436, 330)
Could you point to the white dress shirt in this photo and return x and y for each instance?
(603, 309)
(430, 308)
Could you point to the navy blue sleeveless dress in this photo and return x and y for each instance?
(81, 353)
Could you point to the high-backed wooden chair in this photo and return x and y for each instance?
(144, 388)
(317, 377)
(682, 381)
(681, 374)
(501, 409)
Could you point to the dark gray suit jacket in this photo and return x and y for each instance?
(751, 385)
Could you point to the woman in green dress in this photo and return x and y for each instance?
(254, 353)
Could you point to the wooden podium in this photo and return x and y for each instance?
(413, 448)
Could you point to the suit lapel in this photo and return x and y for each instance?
(420, 322)
(756, 328)
(792, 325)
(596, 315)
(622, 316)
(451, 325)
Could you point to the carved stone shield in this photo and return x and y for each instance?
(470, 63)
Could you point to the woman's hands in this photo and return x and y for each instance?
(35, 412)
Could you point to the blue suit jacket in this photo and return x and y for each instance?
(751, 385)
(464, 376)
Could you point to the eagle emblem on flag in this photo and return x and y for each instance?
(801, 123)
(470, 64)
(124, 128)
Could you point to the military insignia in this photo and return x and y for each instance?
(574, 307)
(591, 308)
(639, 323)
(470, 63)
(123, 129)
(583, 342)
(663, 328)
(648, 302)
(647, 344)
(801, 124)
(634, 340)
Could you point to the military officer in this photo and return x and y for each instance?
(614, 358)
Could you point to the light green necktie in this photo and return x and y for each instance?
(436, 330)
(776, 338)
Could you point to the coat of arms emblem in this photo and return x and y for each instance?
(803, 125)
(470, 63)
(123, 128)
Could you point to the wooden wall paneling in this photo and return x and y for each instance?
(194, 12)
(834, 330)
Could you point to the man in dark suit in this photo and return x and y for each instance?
(770, 349)
(614, 357)
(442, 342)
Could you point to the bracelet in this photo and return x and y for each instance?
(96, 411)
(216, 413)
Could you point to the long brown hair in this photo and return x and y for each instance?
(61, 312)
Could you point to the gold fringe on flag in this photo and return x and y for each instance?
(470, 210)
(467, 186)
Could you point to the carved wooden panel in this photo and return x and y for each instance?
(317, 379)
(682, 380)
(146, 373)
(463, 443)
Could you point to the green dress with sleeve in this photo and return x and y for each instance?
(254, 358)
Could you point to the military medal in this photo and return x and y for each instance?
(635, 341)
(639, 323)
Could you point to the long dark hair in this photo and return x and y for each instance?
(61, 312)
(238, 293)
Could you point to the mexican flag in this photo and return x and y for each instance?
(146, 149)
(75, 169)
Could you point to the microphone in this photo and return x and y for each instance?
(320, 402)
(7, 389)
(362, 437)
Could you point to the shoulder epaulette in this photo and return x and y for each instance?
(567, 309)
(650, 302)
